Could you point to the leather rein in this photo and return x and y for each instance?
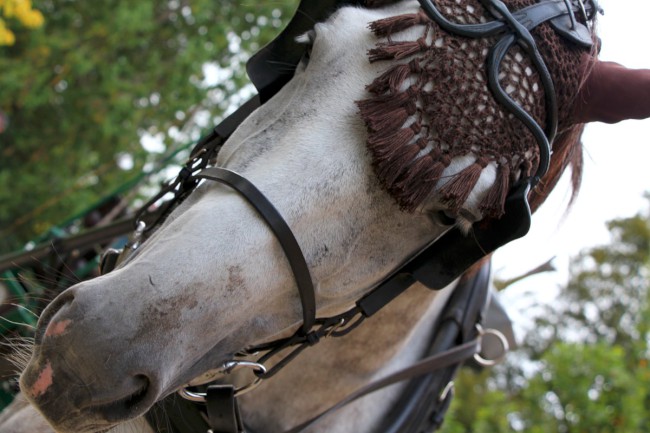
(435, 266)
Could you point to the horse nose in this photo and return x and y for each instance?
(57, 316)
(78, 364)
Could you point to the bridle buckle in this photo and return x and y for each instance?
(226, 368)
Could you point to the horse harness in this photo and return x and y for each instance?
(458, 332)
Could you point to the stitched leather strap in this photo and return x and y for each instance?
(280, 229)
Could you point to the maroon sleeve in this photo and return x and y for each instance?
(613, 93)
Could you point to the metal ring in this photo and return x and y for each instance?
(335, 327)
(228, 368)
(483, 362)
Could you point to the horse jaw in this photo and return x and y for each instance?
(213, 279)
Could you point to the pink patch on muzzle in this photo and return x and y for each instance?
(55, 329)
(43, 382)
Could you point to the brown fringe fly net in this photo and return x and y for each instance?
(433, 104)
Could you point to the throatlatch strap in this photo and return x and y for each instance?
(282, 232)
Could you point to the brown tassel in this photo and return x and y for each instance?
(390, 80)
(391, 170)
(420, 180)
(397, 50)
(455, 192)
(389, 26)
(380, 143)
(384, 104)
(494, 201)
(386, 123)
(526, 167)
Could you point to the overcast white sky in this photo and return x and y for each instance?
(616, 175)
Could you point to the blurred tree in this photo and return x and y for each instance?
(19, 12)
(584, 366)
(585, 387)
(78, 95)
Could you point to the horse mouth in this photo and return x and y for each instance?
(134, 403)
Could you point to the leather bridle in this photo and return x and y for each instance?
(435, 266)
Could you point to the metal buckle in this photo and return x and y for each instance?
(589, 16)
(140, 228)
(228, 367)
(505, 346)
(335, 327)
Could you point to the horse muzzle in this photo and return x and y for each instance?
(80, 377)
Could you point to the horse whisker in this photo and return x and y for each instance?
(18, 323)
(22, 307)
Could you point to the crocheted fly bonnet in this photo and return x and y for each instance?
(471, 85)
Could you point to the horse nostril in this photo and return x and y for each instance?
(64, 299)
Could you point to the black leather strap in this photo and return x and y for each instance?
(223, 410)
(421, 409)
(423, 404)
(282, 232)
(174, 414)
(454, 356)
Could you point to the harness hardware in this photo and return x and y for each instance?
(227, 368)
(449, 389)
(503, 342)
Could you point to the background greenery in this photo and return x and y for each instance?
(83, 83)
(583, 367)
(80, 91)
(17, 12)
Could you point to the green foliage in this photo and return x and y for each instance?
(478, 405)
(82, 90)
(17, 13)
(584, 367)
(585, 388)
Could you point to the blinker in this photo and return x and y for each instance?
(454, 252)
(265, 71)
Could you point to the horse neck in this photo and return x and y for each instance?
(326, 373)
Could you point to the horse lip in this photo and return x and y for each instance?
(80, 415)
(113, 408)
(139, 385)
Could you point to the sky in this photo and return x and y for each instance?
(616, 175)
